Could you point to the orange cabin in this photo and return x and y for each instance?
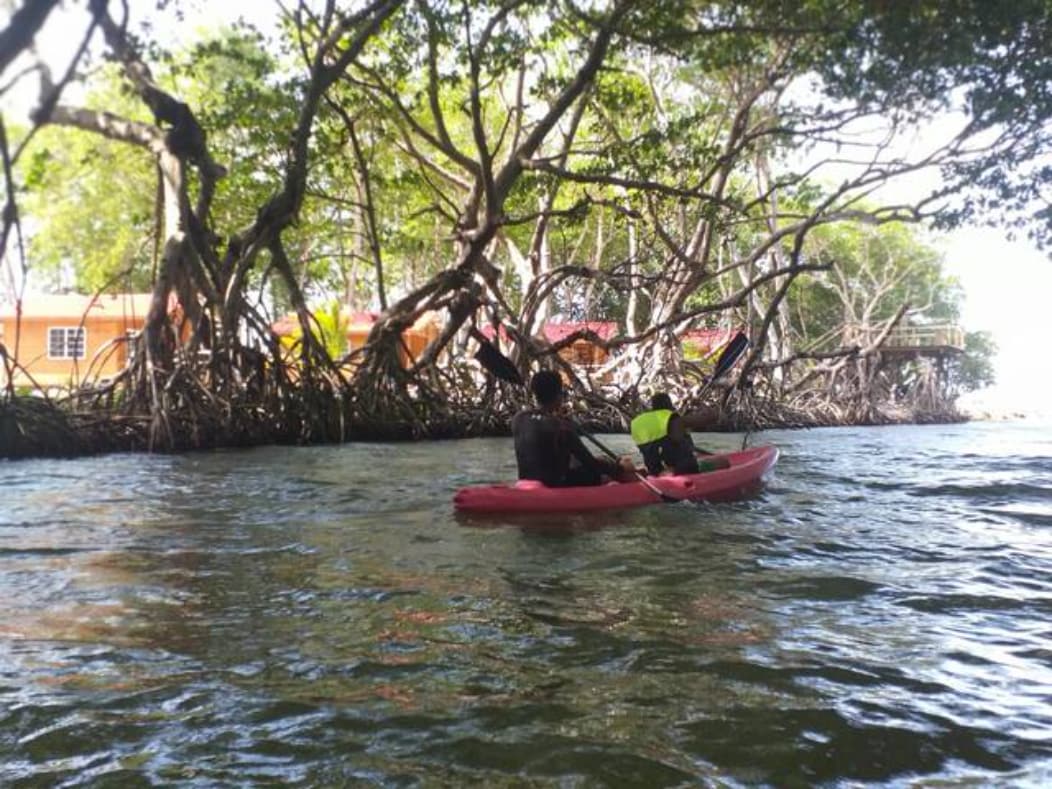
(61, 338)
(416, 338)
(581, 352)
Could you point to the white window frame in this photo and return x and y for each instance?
(68, 332)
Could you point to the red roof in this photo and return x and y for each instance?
(488, 332)
(362, 318)
(706, 340)
(556, 332)
(286, 325)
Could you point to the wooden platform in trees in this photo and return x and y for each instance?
(910, 342)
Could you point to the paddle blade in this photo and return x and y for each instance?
(494, 362)
(735, 348)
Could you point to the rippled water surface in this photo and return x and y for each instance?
(881, 613)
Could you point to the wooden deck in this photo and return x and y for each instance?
(937, 340)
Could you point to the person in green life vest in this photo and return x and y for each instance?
(664, 440)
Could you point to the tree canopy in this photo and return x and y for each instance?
(667, 166)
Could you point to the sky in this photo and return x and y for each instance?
(1008, 292)
(1007, 284)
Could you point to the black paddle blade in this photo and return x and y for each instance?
(735, 348)
(494, 362)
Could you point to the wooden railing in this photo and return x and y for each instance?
(945, 335)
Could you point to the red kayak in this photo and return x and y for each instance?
(743, 477)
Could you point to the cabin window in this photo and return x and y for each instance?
(66, 342)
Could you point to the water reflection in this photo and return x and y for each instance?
(320, 616)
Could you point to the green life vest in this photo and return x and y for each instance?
(651, 426)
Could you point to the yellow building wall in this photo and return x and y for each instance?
(418, 338)
(357, 334)
(584, 352)
(415, 340)
(33, 349)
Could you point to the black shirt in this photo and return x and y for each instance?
(548, 449)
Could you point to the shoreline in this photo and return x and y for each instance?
(35, 428)
(1009, 415)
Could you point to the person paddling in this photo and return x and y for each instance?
(548, 447)
(664, 440)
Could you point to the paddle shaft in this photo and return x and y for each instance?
(609, 453)
(730, 356)
(705, 388)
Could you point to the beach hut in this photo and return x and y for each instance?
(581, 352)
(415, 339)
(358, 325)
(61, 337)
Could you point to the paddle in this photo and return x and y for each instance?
(498, 365)
(731, 354)
(609, 453)
(501, 367)
(727, 359)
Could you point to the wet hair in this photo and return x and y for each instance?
(547, 387)
(661, 401)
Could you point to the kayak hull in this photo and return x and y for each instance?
(742, 478)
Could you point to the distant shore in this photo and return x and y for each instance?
(1005, 415)
(33, 427)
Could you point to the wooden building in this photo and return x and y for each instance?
(61, 338)
(582, 352)
(416, 338)
(358, 325)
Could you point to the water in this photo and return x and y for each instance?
(881, 613)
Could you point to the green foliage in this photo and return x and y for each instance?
(693, 351)
(914, 57)
(328, 328)
(91, 202)
(875, 270)
(236, 90)
(975, 369)
(659, 112)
